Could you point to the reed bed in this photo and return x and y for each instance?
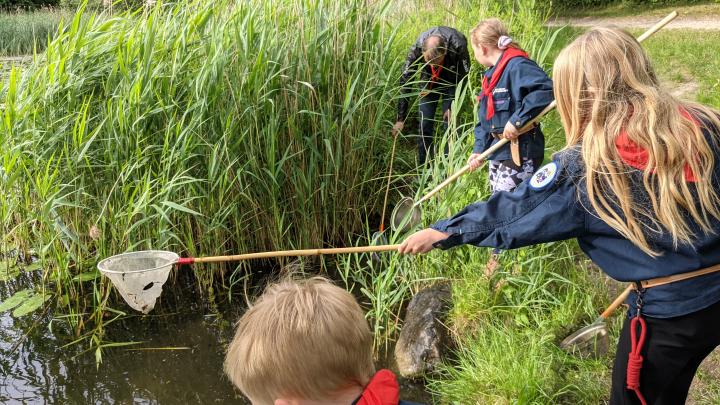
(203, 127)
(28, 32)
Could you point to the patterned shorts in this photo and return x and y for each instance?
(505, 175)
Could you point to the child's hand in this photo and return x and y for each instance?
(422, 241)
(398, 127)
(510, 131)
(446, 115)
(474, 161)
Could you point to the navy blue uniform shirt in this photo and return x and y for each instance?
(549, 207)
(522, 91)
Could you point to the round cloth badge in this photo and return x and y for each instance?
(544, 177)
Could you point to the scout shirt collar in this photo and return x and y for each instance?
(636, 156)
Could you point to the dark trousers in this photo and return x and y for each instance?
(427, 108)
(673, 350)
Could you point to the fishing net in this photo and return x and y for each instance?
(139, 276)
(590, 341)
(406, 215)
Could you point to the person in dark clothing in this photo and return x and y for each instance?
(441, 56)
(637, 186)
(307, 342)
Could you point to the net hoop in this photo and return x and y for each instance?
(105, 266)
(405, 215)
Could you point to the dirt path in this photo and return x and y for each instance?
(681, 22)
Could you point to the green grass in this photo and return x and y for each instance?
(27, 32)
(508, 349)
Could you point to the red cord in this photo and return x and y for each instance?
(635, 359)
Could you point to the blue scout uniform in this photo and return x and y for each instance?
(522, 91)
(551, 206)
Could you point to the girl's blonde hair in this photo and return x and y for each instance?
(488, 32)
(604, 85)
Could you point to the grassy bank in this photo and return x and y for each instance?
(508, 338)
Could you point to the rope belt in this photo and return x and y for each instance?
(635, 359)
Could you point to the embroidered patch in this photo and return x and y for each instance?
(500, 90)
(544, 177)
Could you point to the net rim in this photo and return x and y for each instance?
(407, 203)
(172, 259)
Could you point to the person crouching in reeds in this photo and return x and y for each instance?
(637, 186)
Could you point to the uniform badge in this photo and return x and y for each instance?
(544, 177)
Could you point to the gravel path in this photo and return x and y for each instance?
(681, 22)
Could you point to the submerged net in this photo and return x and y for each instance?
(139, 276)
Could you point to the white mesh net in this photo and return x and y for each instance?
(139, 276)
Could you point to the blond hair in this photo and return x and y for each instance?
(303, 339)
(604, 85)
(488, 32)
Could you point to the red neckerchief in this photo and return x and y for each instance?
(435, 75)
(383, 389)
(635, 156)
(487, 88)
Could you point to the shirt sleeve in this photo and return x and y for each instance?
(527, 216)
(463, 62)
(532, 86)
(409, 70)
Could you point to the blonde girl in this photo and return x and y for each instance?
(637, 187)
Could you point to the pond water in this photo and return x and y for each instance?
(179, 359)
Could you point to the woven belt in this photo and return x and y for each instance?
(678, 277)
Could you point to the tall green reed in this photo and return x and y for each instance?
(27, 32)
(200, 127)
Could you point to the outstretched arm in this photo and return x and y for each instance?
(543, 208)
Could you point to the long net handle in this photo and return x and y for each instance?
(618, 301)
(655, 28)
(301, 252)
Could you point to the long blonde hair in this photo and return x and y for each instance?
(487, 33)
(604, 84)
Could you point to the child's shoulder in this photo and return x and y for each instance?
(523, 63)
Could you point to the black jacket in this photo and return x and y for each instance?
(455, 66)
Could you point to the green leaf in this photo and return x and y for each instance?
(17, 299)
(10, 274)
(89, 276)
(6, 264)
(30, 305)
(33, 267)
(180, 208)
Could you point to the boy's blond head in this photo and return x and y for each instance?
(303, 339)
